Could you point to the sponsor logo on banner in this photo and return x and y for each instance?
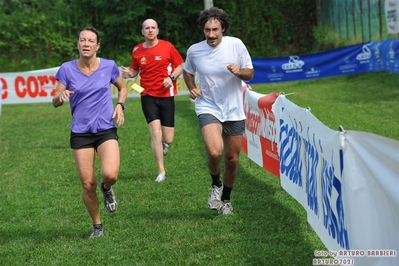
(365, 55)
(312, 72)
(275, 76)
(259, 140)
(310, 170)
(348, 67)
(294, 64)
(33, 87)
(392, 60)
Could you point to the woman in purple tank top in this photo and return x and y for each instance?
(85, 83)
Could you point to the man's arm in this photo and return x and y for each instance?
(244, 73)
(128, 72)
(190, 82)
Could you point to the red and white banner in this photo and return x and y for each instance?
(38, 86)
(28, 87)
(259, 140)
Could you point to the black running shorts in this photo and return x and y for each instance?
(92, 140)
(159, 108)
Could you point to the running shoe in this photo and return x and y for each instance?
(214, 199)
(161, 177)
(165, 148)
(97, 231)
(226, 208)
(110, 202)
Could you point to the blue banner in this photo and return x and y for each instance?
(354, 59)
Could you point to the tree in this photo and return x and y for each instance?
(37, 34)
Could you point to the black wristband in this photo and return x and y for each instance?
(122, 104)
(172, 77)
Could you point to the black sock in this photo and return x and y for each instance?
(106, 190)
(98, 225)
(216, 180)
(226, 193)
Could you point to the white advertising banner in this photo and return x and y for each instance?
(348, 182)
(38, 86)
(392, 15)
(371, 193)
(310, 170)
(28, 87)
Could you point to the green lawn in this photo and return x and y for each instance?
(44, 222)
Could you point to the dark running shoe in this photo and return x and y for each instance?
(97, 231)
(110, 202)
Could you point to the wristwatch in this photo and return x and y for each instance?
(172, 77)
(123, 105)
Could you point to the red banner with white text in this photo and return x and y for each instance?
(259, 140)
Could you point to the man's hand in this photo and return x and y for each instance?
(126, 72)
(195, 93)
(234, 69)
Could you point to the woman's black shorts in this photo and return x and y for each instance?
(92, 140)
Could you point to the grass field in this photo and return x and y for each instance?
(44, 222)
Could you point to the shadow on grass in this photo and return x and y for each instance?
(273, 219)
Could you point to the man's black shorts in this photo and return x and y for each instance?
(159, 108)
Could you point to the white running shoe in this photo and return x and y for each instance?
(165, 148)
(214, 199)
(161, 177)
(226, 208)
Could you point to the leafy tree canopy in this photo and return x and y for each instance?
(36, 34)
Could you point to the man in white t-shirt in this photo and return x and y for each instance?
(222, 63)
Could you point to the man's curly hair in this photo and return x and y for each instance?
(215, 13)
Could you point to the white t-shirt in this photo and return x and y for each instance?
(222, 94)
